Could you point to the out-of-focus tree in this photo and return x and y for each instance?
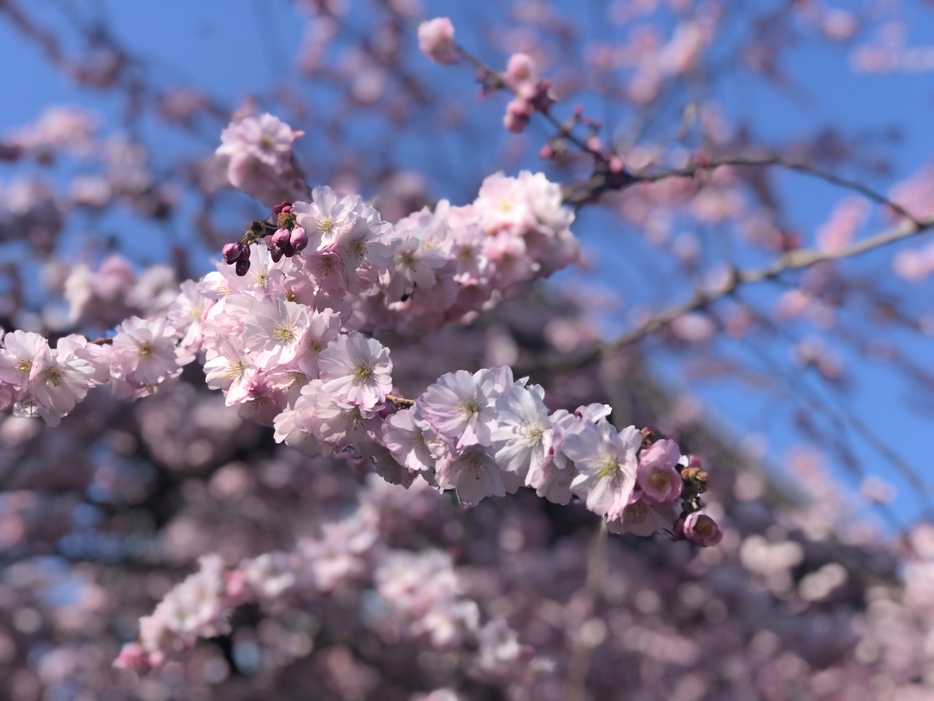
(285, 484)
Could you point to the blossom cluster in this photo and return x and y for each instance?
(262, 332)
(285, 327)
(282, 334)
(256, 154)
(37, 380)
(485, 434)
(419, 594)
(531, 93)
(436, 41)
(429, 268)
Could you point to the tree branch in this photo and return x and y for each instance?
(600, 183)
(791, 260)
(765, 159)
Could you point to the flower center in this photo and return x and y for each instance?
(283, 333)
(407, 260)
(53, 376)
(417, 438)
(637, 512)
(358, 247)
(326, 227)
(608, 468)
(235, 371)
(470, 408)
(473, 463)
(660, 480)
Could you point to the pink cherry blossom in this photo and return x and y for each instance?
(356, 370)
(606, 462)
(436, 40)
(657, 475)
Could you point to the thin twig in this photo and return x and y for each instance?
(791, 260)
(844, 419)
(768, 158)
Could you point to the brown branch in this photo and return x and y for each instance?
(400, 402)
(494, 80)
(791, 260)
(600, 183)
(604, 179)
(766, 159)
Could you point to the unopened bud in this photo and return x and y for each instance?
(699, 529)
(281, 237)
(436, 41)
(518, 113)
(298, 239)
(232, 252)
(694, 475)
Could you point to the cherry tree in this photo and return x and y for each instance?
(291, 408)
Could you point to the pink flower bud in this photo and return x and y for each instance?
(232, 252)
(132, 656)
(700, 529)
(519, 70)
(518, 113)
(281, 244)
(436, 41)
(298, 239)
(281, 238)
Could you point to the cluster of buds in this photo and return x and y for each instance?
(238, 253)
(290, 238)
(531, 93)
(667, 477)
(693, 525)
(286, 238)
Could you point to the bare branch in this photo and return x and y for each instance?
(791, 260)
(766, 159)
(600, 183)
